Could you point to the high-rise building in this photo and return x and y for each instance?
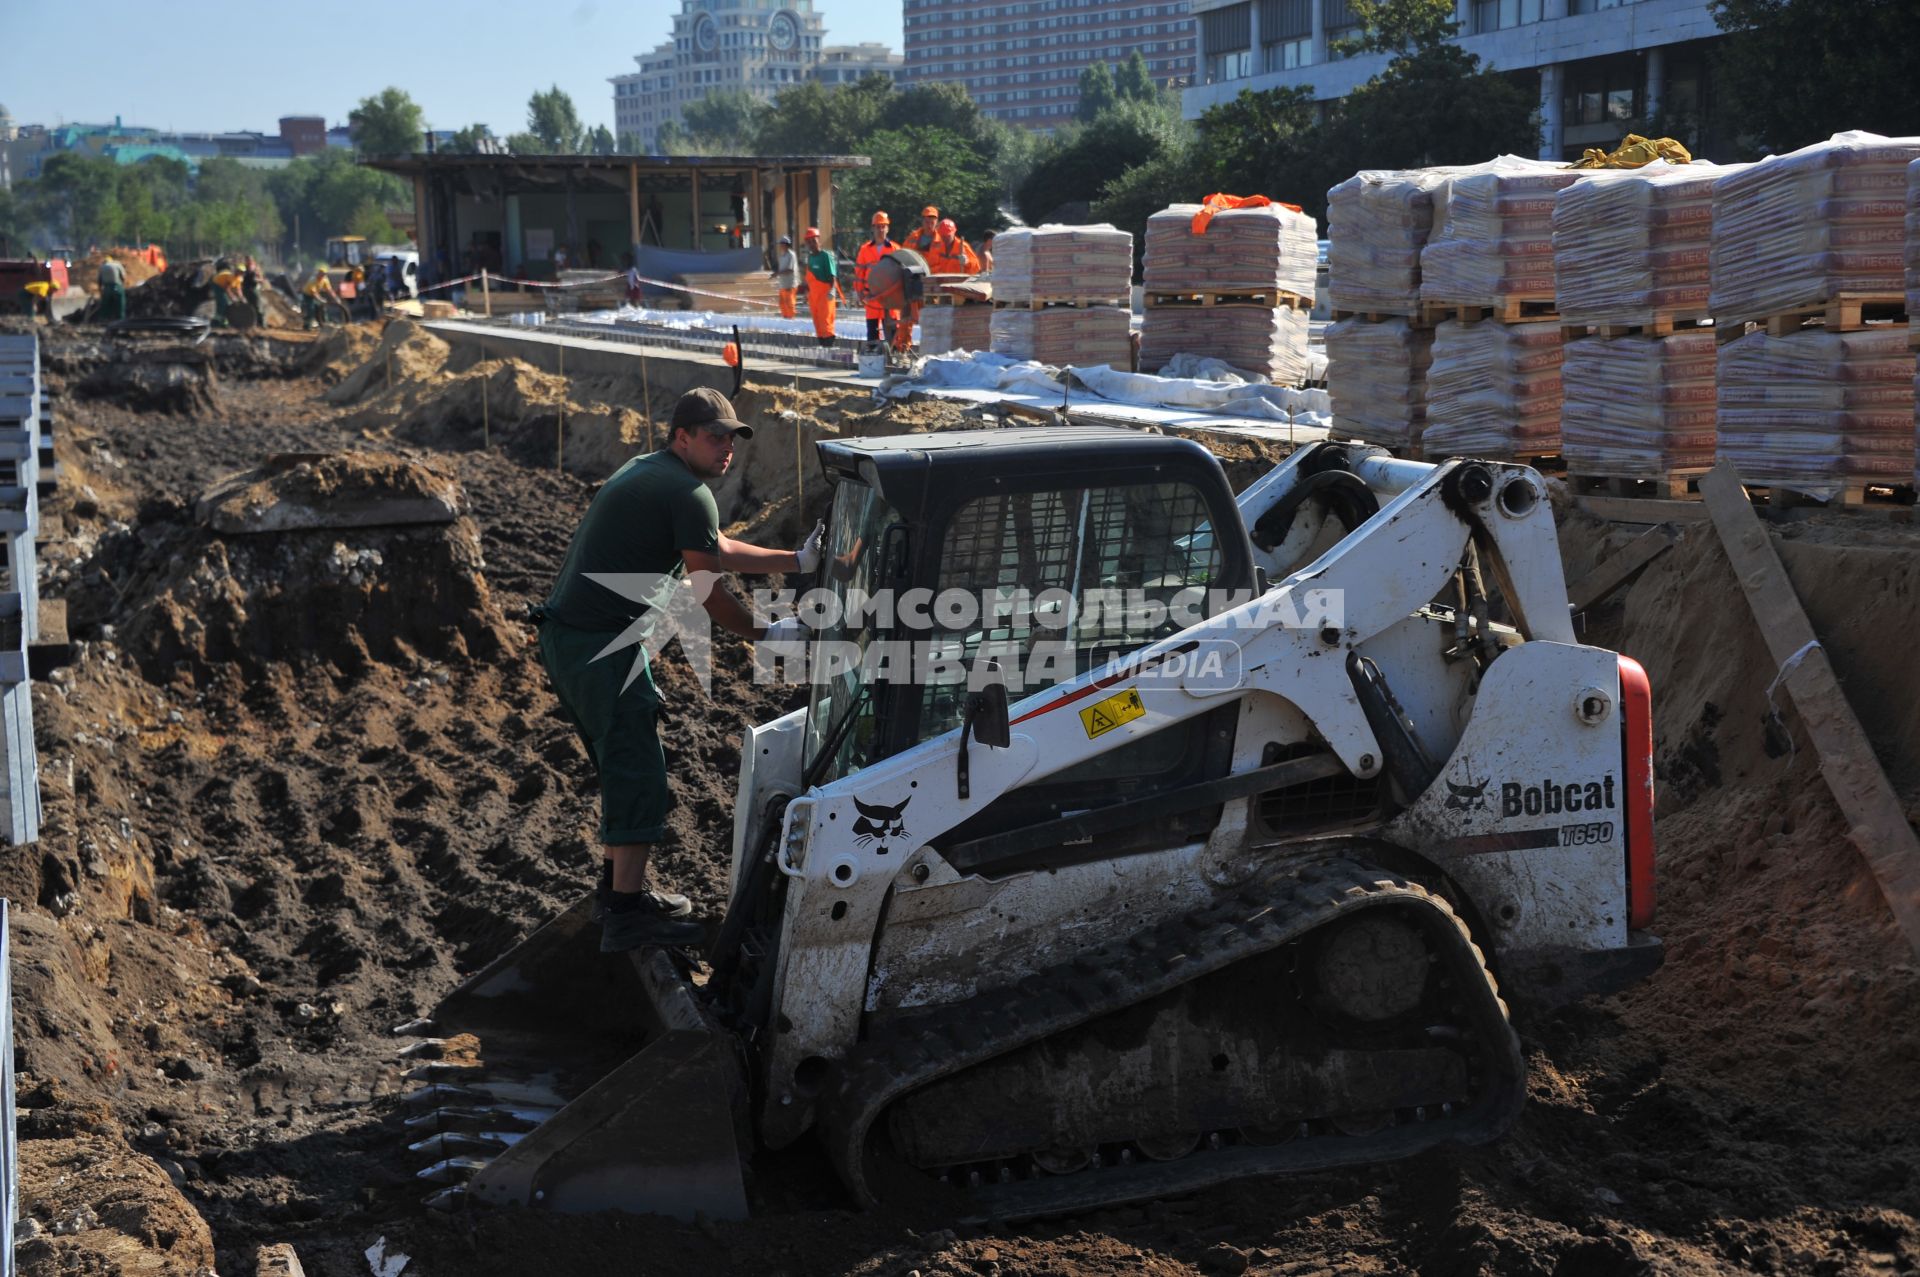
(757, 46)
(1021, 59)
(1598, 65)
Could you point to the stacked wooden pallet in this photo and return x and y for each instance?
(1081, 336)
(1492, 246)
(1062, 264)
(1060, 296)
(1818, 397)
(948, 326)
(1377, 374)
(1238, 290)
(1494, 390)
(1639, 407)
(1630, 253)
(1494, 385)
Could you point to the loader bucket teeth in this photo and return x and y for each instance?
(562, 1078)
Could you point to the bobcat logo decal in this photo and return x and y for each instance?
(1467, 797)
(880, 824)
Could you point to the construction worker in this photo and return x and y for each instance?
(786, 278)
(878, 245)
(113, 289)
(823, 277)
(352, 290)
(315, 296)
(226, 291)
(986, 253)
(951, 255)
(250, 290)
(36, 298)
(654, 518)
(921, 237)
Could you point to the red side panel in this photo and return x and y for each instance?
(1636, 732)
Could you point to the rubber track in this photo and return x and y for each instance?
(1277, 907)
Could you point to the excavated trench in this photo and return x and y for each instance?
(298, 781)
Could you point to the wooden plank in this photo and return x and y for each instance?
(1640, 510)
(1618, 570)
(1876, 820)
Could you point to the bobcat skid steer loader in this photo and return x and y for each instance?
(1290, 795)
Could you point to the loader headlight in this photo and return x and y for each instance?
(792, 856)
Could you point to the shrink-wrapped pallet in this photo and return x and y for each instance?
(1255, 339)
(1630, 246)
(1913, 284)
(1243, 250)
(1377, 375)
(1065, 335)
(1494, 390)
(1817, 411)
(1062, 263)
(1493, 233)
(1377, 223)
(949, 328)
(1638, 407)
(1803, 229)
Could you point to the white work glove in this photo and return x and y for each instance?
(809, 552)
(786, 638)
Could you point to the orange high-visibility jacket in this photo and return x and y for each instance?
(954, 257)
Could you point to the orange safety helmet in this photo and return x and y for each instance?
(881, 219)
(812, 232)
(929, 211)
(947, 228)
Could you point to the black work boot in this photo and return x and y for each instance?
(646, 923)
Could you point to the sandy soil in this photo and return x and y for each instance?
(297, 783)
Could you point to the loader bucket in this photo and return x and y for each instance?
(562, 1078)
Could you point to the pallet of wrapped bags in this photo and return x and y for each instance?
(1062, 263)
(1377, 223)
(1913, 249)
(1065, 335)
(1243, 250)
(1494, 390)
(1630, 246)
(1255, 339)
(1492, 241)
(1377, 375)
(1816, 226)
(948, 328)
(1638, 407)
(1816, 412)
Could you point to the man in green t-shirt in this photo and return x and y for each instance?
(649, 523)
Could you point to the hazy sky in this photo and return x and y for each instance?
(218, 65)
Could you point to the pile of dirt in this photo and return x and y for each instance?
(182, 289)
(295, 490)
(1776, 927)
(85, 273)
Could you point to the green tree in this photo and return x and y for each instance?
(527, 144)
(1073, 167)
(1264, 143)
(600, 140)
(552, 119)
(388, 123)
(723, 123)
(468, 141)
(1097, 93)
(13, 224)
(918, 165)
(1133, 82)
(810, 119)
(1792, 72)
(1398, 26)
(78, 197)
(323, 194)
(629, 144)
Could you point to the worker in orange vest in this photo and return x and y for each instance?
(921, 237)
(951, 255)
(823, 277)
(877, 246)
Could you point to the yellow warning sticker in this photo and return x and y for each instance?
(1102, 717)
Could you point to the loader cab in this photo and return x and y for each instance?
(1046, 552)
